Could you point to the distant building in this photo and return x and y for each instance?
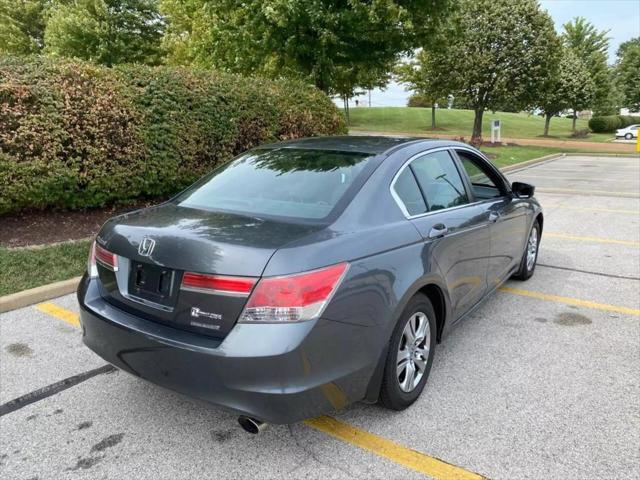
(626, 111)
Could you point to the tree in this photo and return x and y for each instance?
(627, 71)
(352, 80)
(425, 79)
(22, 24)
(106, 31)
(591, 45)
(570, 87)
(500, 52)
(318, 40)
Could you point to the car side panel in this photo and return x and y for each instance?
(508, 235)
(462, 255)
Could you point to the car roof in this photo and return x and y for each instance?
(373, 145)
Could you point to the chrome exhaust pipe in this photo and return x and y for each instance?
(251, 425)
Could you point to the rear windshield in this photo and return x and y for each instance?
(296, 183)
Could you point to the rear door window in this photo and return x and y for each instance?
(408, 192)
(440, 181)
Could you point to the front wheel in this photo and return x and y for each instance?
(629, 136)
(410, 354)
(530, 255)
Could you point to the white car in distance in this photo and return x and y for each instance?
(629, 132)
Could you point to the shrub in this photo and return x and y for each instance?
(610, 123)
(74, 135)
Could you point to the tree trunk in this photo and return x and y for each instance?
(320, 84)
(345, 99)
(575, 116)
(476, 136)
(433, 115)
(547, 121)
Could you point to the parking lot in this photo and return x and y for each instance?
(542, 381)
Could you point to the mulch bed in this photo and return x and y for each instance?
(50, 226)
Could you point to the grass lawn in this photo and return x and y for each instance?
(28, 268)
(460, 122)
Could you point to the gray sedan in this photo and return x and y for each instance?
(306, 275)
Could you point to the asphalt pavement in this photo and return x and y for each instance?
(541, 382)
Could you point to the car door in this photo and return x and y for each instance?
(507, 214)
(455, 233)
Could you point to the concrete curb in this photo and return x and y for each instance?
(554, 156)
(38, 294)
(529, 163)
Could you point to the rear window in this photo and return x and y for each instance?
(296, 183)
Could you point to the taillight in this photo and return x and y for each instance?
(220, 284)
(105, 258)
(293, 298)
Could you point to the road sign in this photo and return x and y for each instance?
(495, 131)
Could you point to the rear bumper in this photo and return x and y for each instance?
(276, 373)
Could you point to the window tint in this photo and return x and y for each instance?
(408, 191)
(440, 181)
(483, 186)
(297, 183)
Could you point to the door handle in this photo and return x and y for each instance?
(438, 230)
(494, 216)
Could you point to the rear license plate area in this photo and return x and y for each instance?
(152, 283)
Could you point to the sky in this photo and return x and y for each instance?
(620, 17)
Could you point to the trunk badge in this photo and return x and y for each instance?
(196, 312)
(146, 246)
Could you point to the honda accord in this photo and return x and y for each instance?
(308, 274)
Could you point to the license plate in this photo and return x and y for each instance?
(151, 282)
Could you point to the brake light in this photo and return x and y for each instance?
(221, 284)
(105, 258)
(293, 298)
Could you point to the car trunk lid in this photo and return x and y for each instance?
(157, 246)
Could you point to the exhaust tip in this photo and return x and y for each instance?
(251, 425)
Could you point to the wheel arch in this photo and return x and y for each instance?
(540, 219)
(436, 294)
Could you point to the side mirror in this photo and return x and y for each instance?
(523, 190)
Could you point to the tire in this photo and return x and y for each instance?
(629, 136)
(526, 269)
(398, 391)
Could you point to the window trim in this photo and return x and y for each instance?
(407, 163)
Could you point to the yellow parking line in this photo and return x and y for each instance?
(361, 438)
(606, 193)
(565, 236)
(390, 450)
(572, 301)
(60, 313)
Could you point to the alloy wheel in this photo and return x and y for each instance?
(532, 248)
(413, 351)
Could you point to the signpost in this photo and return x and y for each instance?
(495, 131)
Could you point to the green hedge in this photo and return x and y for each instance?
(610, 123)
(75, 135)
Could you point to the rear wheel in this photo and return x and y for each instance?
(410, 354)
(530, 255)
